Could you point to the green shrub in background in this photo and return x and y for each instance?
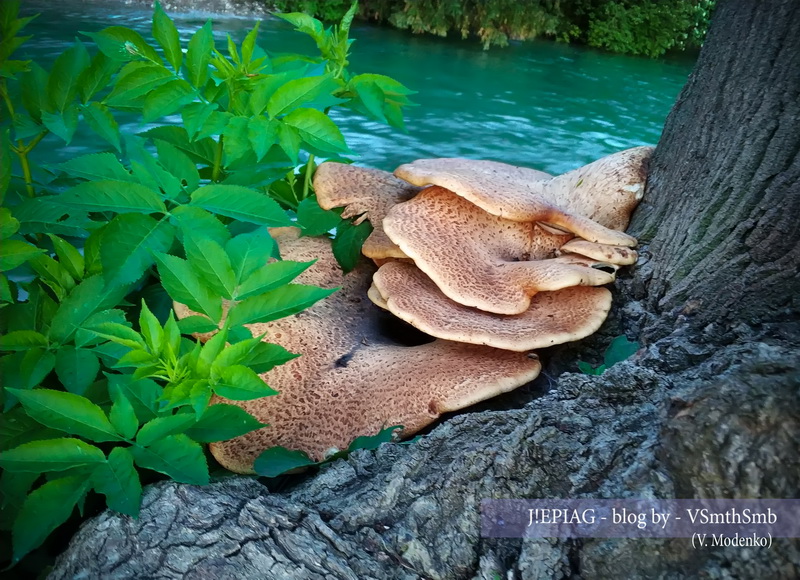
(101, 386)
(645, 27)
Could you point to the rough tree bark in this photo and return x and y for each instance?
(708, 408)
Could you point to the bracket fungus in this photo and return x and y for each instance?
(552, 317)
(593, 202)
(352, 379)
(491, 259)
(479, 259)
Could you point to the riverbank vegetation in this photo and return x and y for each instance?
(103, 390)
(641, 27)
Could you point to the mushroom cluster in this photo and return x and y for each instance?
(491, 260)
(489, 253)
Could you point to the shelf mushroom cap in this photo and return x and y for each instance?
(552, 318)
(368, 193)
(481, 260)
(618, 255)
(352, 379)
(592, 202)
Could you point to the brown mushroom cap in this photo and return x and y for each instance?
(351, 380)
(479, 259)
(552, 318)
(368, 193)
(591, 201)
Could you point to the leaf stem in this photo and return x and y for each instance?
(217, 160)
(307, 178)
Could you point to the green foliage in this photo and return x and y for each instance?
(647, 27)
(99, 392)
(278, 460)
(619, 350)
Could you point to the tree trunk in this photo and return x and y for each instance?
(708, 408)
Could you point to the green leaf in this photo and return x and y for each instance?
(193, 324)
(289, 141)
(143, 394)
(249, 44)
(185, 287)
(266, 356)
(373, 441)
(222, 422)
(135, 82)
(63, 123)
(161, 427)
(317, 129)
(200, 151)
(176, 456)
(587, 369)
(119, 333)
(198, 55)
(276, 461)
(236, 143)
(151, 329)
(123, 417)
(239, 383)
(121, 43)
(96, 166)
(50, 455)
(314, 220)
(84, 337)
(347, 243)
(9, 225)
(6, 294)
(22, 340)
(298, 92)
(178, 164)
(201, 222)
(68, 256)
(44, 510)
(386, 84)
(88, 297)
(102, 122)
(67, 412)
(195, 115)
(240, 203)
(271, 276)
(62, 85)
(76, 368)
(36, 364)
(41, 215)
(283, 301)
(167, 99)
(97, 76)
(128, 247)
(372, 98)
(119, 482)
(165, 32)
(211, 263)
(619, 350)
(106, 195)
(17, 428)
(262, 134)
(210, 351)
(249, 252)
(14, 487)
(306, 24)
(34, 90)
(14, 253)
(215, 124)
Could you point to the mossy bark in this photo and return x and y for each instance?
(709, 407)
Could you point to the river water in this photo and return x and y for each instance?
(540, 104)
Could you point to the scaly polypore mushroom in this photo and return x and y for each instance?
(351, 379)
(481, 260)
(593, 202)
(552, 317)
(368, 193)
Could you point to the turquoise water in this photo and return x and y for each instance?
(539, 104)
